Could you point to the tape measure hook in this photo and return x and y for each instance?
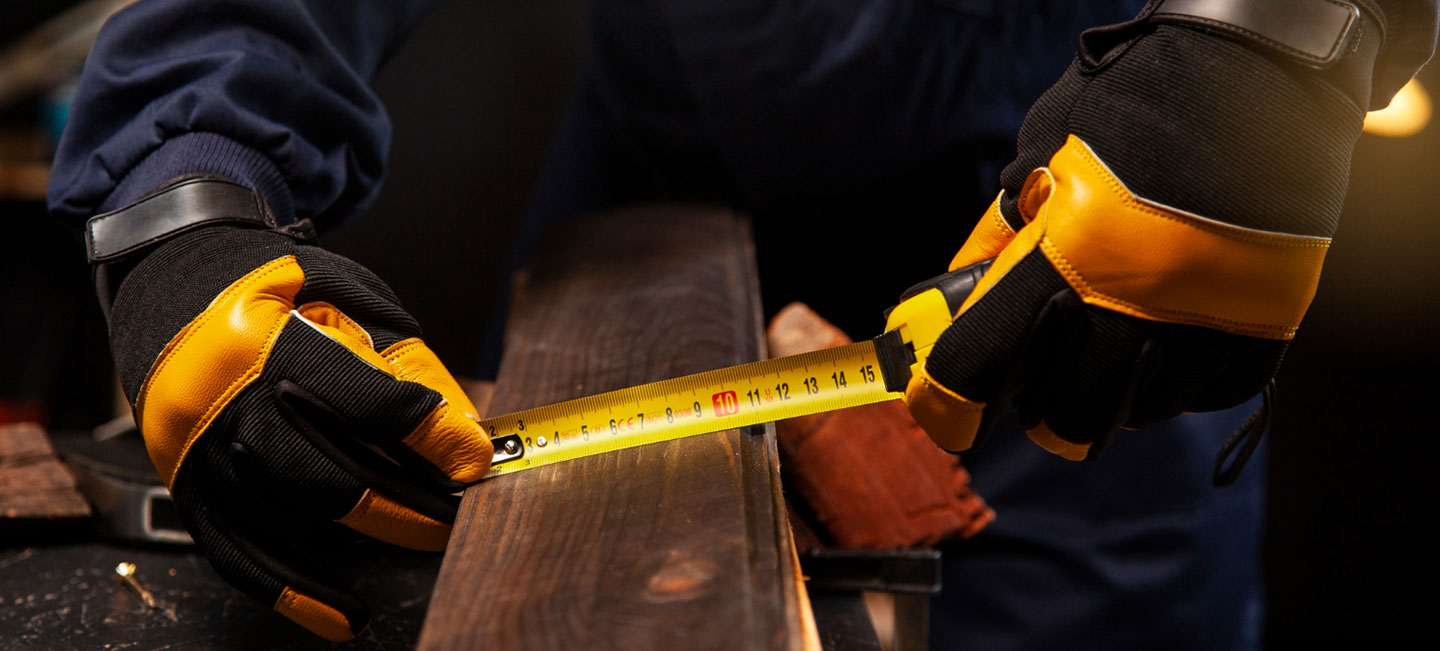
(507, 448)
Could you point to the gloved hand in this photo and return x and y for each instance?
(1157, 239)
(265, 373)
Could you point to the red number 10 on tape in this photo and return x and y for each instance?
(725, 403)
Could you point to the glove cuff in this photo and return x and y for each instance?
(1314, 33)
(1332, 41)
(179, 206)
(114, 241)
(1335, 40)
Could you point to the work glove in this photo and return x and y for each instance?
(1158, 237)
(277, 386)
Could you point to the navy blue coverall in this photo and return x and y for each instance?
(882, 122)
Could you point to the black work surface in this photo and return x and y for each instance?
(65, 596)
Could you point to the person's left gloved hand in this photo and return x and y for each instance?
(281, 387)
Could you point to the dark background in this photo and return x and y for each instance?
(474, 95)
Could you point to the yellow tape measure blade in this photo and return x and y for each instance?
(727, 398)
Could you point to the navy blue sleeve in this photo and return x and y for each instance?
(272, 93)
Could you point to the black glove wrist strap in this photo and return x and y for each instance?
(178, 207)
(1315, 33)
(115, 241)
(1332, 41)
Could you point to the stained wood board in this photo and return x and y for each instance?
(34, 485)
(675, 545)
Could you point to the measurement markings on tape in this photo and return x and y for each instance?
(728, 398)
(738, 396)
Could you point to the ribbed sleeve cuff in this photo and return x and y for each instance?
(205, 153)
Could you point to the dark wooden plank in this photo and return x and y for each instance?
(675, 545)
(914, 495)
(22, 442)
(34, 484)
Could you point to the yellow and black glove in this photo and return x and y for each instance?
(1160, 234)
(278, 385)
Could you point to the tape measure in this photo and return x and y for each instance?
(738, 396)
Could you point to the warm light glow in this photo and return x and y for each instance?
(1406, 115)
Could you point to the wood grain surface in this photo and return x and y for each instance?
(34, 484)
(675, 545)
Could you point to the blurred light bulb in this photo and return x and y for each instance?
(1406, 115)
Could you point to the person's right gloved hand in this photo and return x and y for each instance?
(278, 385)
(1159, 236)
